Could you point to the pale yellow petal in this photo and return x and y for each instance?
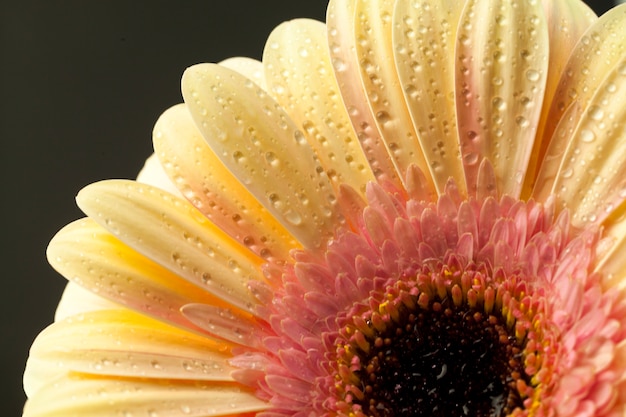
(374, 47)
(342, 46)
(123, 343)
(611, 262)
(567, 21)
(300, 78)
(261, 145)
(87, 396)
(248, 67)
(154, 174)
(424, 40)
(585, 163)
(591, 179)
(212, 188)
(77, 299)
(599, 50)
(89, 256)
(171, 232)
(502, 65)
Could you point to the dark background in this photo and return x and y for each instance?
(81, 85)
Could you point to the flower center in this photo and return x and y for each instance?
(428, 348)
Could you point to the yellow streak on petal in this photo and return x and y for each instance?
(567, 22)
(300, 78)
(84, 395)
(374, 49)
(502, 65)
(589, 172)
(424, 40)
(124, 343)
(89, 256)
(248, 67)
(342, 46)
(171, 232)
(260, 144)
(212, 188)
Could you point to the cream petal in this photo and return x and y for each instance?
(424, 39)
(586, 162)
(341, 40)
(174, 234)
(248, 67)
(89, 256)
(76, 299)
(80, 395)
(567, 22)
(591, 179)
(300, 78)
(225, 323)
(213, 190)
(502, 65)
(372, 27)
(123, 343)
(593, 57)
(259, 143)
(611, 262)
(154, 174)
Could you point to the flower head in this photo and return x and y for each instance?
(413, 209)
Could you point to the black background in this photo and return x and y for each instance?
(81, 85)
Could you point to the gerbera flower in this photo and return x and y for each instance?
(415, 209)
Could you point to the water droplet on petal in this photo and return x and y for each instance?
(293, 217)
(596, 113)
(587, 135)
(532, 75)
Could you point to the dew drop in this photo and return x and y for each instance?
(472, 135)
(383, 117)
(587, 136)
(470, 158)
(596, 113)
(293, 217)
(338, 64)
(567, 173)
(521, 121)
(270, 158)
(299, 137)
(498, 103)
(532, 75)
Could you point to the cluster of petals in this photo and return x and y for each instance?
(403, 151)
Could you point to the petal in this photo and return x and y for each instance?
(612, 262)
(83, 395)
(213, 190)
(584, 164)
(593, 57)
(224, 323)
(567, 22)
(258, 142)
(591, 180)
(89, 256)
(502, 66)
(424, 38)
(300, 78)
(372, 27)
(153, 174)
(124, 343)
(339, 21)
(248, 67)
(76, 299)
(171, 232)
